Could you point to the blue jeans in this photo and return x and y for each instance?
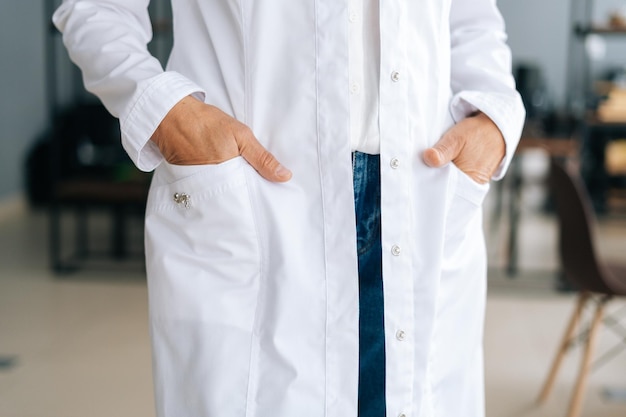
(371, 313)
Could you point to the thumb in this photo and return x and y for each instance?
(444, 151)
(263, 161)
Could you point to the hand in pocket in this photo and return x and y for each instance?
(195, 133)
(475, 145)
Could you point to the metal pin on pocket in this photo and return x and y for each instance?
(182, 198)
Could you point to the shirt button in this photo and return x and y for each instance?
(354, 88)
(402, 415)
(395, 76)
(395, 250)
(353, 17)
(395, 163)
(400, 335)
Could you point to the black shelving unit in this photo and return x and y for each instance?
(89, 171)
(583, 100)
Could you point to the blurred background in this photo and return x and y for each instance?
(73, 304)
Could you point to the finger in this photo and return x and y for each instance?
(444, 151)
(263, 161)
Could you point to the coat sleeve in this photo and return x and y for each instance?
(481, 76)
(108, 40)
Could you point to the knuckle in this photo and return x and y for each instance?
(242, 131)
(243, 136)
(267, 159)
(444, 148)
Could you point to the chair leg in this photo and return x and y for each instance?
(583, 297)
(577, 398)
(514, 214)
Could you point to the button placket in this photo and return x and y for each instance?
(393, 110)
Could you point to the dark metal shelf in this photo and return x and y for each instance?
(584, 30)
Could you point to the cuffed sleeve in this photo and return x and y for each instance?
(108, 40)
(152, 105)
(481, 72)
(500, 110)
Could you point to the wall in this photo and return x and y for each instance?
(23, 113)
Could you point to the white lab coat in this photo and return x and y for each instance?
(253, 285)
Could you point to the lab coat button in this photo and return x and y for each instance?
(402, 415)
(395, 76)
(353, 17)
(400, 335)
(395, 163)
(354, 88)
(395, 250)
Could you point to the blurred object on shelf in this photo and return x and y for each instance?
(595, 46)
(602, 88)
(616, 157)
(613, 108)
(617, 19)
(611, 96)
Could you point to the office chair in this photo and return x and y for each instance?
(596, 281)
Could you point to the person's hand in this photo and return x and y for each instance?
(475, 145)
(195, 133)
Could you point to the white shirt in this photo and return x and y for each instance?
(364, 44)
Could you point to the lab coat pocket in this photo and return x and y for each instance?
(203, 270)
(467, 188)
(465, 207)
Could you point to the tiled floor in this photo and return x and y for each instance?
(80, 343)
